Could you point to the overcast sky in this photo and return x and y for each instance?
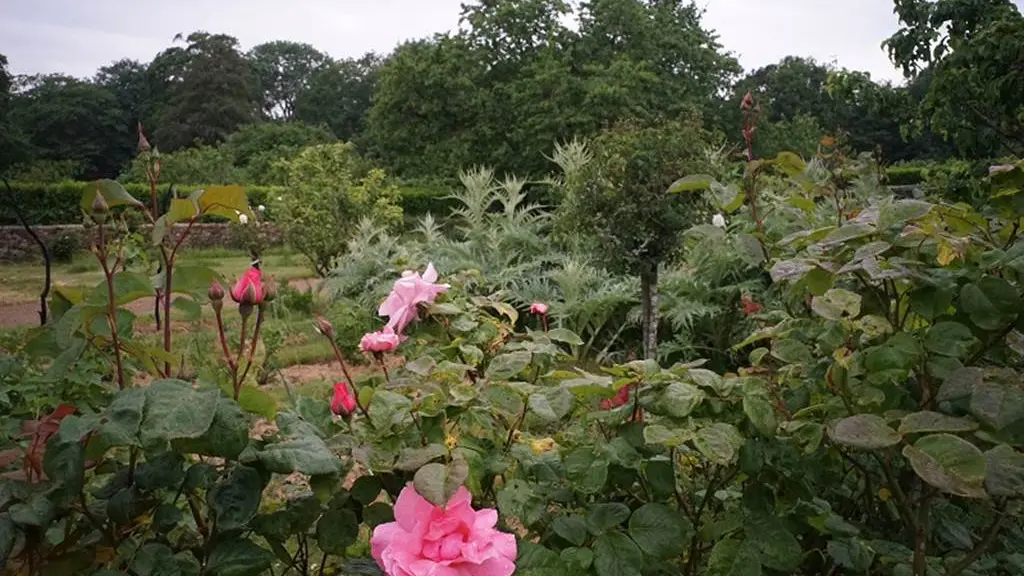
(78, 36)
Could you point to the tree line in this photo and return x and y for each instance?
(519, 75)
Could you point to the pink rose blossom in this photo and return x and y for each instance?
(383, 341)
(451, 541)
(408, 293)
(539, 309)
(249, 288)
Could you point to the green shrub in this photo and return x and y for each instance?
(64, 247)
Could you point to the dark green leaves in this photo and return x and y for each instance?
(616, 555)
(572, 528)
(660, 531)
(175, 410)
(604, 517)
(587, 472)
(1004, 472)
(719, 443)
(734, 558)
(920, 422)
(950, 339)
(439, 482)
(299, 450)
(505, 366)
(227, 436)
(864, 431)
(949, 463)
(991, 302)
(336, 531)
(236, 499)
(691, 183)
(237, 557)
(112, 191)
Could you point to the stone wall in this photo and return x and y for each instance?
(16, 244)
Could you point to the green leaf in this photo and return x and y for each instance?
(837, 304)
(577, 559)
(256, 401)
(182, 209)
(128, 287)
(791, 269)
(551, 404)
(851, 554)
(565, 335)
(949, 463)
(926, 421)
(238, 557)
(572, 528)
(302, 450)
(660, 531)
(658, 434)
(388, 409)
(439, 482)
(378, 513)
(64, 463)
(8, 536)
(119, 425)
(410, 459)
(719, 443)
(236, 499)
(366, 489)
(190, 308)
(192, 279)
(960, 383)
(846, 233)
(505, 366)
(38, 511)
(661, 478)
(603, 517)
(1004, 472)
(226, 437)
(991, 302)
(791, 351)
(680, 399)
(930, 302)
(997, 404)
(691, 183)
(616, 555)
(227, 201)
(111, 190)
(950, 339)
(175, 410)
(166, 517)
(790, 163)
(761, 413)
(587, 473)
(336, 531)
(902, 211)
(778, 547)
(864, 431)
(732, 557)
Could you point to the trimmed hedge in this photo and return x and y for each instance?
(57, 202)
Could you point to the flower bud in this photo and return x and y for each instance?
(748, 101)
(324, 327)
(143, 143)
(99, 208)
(216, 291)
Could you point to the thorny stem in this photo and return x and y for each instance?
(241, 346)
(168, 278)
(223, 339)
(111, 306)
(383, 367)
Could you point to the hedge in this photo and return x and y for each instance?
(57, 202)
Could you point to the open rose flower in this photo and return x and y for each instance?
(343, 403)
(249, 288)
(453, 540)
(538, 309)
(749, 306)
(379, 342)
(409, 291)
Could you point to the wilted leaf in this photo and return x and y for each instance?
(920, 422)
(949, 463)
(864, 431)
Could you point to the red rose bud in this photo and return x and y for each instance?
(750, 307)
(343, 402)
(143, 143)
(620, 399)
(216, 291)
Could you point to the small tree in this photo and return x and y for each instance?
(618, 201)
(330, 190)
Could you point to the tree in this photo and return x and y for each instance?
(971, 51)
(12, 143)
(64, 118)
(284, 70)
(619, 201)
(257, 149)
(128, 81)
(211, 91)
(338, 95)
(330, 190)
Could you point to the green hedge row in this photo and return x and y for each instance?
(57, 202)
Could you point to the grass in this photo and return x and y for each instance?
(24, 280)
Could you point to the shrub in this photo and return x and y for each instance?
(64, 246)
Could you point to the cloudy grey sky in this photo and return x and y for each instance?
(77, 37)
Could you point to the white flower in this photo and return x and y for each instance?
(718, 221)
(261, 208)
(243, 219)
(280, 198)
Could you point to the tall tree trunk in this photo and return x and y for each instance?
(649, 298)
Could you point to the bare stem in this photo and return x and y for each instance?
(252, 349)
(111, 306)
(383, 366)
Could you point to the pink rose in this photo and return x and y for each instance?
(343, 402)
(249, 288)
(539, 309)
(451, 541)
(408, 293)
(384, 341)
